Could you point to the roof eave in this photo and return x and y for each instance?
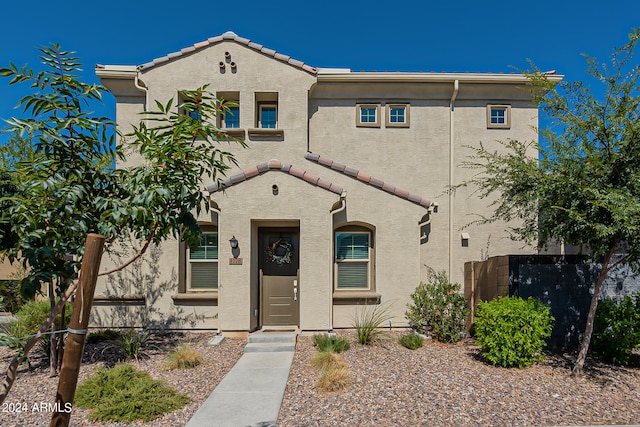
(412, 77)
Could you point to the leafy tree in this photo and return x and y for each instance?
(584, 189)
(69, 188)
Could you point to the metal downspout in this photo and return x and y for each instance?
(456, 87)
(333, 212)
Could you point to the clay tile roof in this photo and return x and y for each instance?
(368, 179)
(230, 35)
(275, 165)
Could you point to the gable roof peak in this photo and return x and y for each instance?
(230, 36)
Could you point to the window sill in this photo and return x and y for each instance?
(197, 297)
(234, 132)
(363, 296)
(259, 133)
(133, 299)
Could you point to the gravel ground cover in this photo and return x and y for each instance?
(449, 385)
(436, 385)
(34, 386)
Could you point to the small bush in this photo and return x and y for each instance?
(29, 319)
(411, 341)
(513, 331)
(368, 322)
(330, 343)
(438, 309)
(32, 315)
(10, 298)
(124, 394)
(131, 343)
(102, 336)
(616, 330)
(184, 357)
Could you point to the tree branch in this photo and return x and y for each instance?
(135, 256)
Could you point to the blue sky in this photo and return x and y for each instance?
(453, 36)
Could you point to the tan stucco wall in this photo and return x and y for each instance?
(320, 116)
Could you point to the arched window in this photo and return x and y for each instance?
(354, 258)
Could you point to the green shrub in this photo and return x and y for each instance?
(513, 331)
(330, 343)
(616, 330)
(368, 322)
(31, 316)
(124, 394)
(10, 298)
(438, 309)
(411, 341)
(102, 336)
(132, 342)
(184, 357)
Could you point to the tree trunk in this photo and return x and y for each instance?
(77, 330)
(588, 332)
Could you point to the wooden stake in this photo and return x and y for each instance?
(74, 346)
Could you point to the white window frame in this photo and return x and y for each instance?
(507, 116)
(389, 123)
(261, 108)
(368, 261)
(190, 262)
(359, 110)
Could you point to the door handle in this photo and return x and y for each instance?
(295, 294)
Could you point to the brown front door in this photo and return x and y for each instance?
(279, 262)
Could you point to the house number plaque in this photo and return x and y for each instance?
(235, 261)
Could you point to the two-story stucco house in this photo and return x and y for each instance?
(339, 199)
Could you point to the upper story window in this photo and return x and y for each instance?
(368, 115)
(267, 110)
(498, 116)
(397, 115)
(229, 115)
(187, 107)
(268, 116)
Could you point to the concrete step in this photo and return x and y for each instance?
(268, 347)
(274, 337)
(270, 341)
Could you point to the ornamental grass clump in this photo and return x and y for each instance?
(513, 331)
(334, 374)
(330, 343)
(132, 342)
(368, 321)
(438, 309)
(124, 394)
(184, 357)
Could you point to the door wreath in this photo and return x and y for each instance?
(279, 252)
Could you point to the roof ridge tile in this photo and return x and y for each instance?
(230, 35)
(363, 177)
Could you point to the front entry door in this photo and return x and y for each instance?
(279, 262)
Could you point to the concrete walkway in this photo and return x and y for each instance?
(251, 393)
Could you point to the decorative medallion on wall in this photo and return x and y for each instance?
(279, 252)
